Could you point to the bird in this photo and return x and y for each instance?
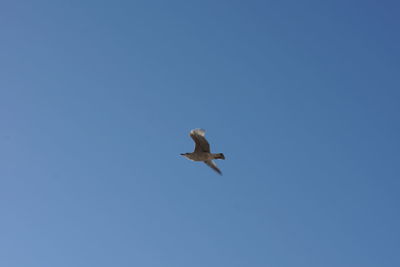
(202, 150)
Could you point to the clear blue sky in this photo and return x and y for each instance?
(97, 99)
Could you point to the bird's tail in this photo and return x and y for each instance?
(219, 156)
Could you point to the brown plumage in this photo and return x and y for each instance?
(202, 150)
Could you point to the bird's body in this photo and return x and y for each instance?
(202, 156)
(202, 150)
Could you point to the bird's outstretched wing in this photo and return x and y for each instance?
(201, 143)
(213, 166)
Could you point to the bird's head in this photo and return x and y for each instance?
(186, 155)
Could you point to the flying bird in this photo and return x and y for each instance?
(202, 150)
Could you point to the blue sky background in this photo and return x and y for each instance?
(97, 99)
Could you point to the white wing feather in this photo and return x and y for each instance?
(198, 131)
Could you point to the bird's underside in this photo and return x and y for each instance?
(202, 150)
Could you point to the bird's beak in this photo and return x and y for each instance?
(182, 154)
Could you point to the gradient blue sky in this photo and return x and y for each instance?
(97, 99)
